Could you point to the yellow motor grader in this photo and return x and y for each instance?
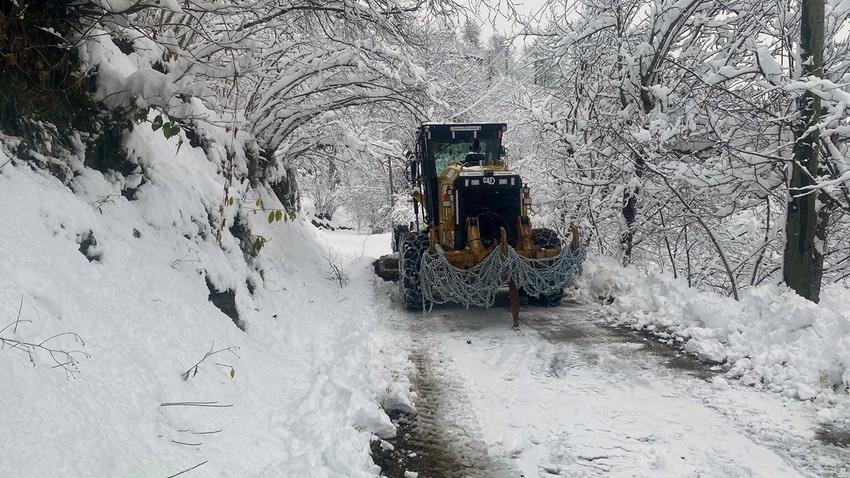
(473, 208)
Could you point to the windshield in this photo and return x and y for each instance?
(446, 152)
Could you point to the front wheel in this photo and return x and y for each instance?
(548, 239)
(398, 234)
(411, 248)
(550, 300)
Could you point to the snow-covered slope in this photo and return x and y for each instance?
(298, 393)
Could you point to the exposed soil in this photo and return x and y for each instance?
(435, 441)
(833, 436)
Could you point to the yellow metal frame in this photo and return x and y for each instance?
(474, 252)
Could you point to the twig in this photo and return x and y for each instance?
(193, 370)
(208, 432)
(336, 274)
(64, 359)
(187, 444)
(103, 200)
(195, 404)
(73, 334)
(187, 469)
(13, 323)
(363, 248)
(183, 259)
(18, 319)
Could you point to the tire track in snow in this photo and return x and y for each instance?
(441, 438)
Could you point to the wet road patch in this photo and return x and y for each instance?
(672, 357)
(563, 324)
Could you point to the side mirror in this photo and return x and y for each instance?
(414, 171)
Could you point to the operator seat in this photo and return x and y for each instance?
(473, 159)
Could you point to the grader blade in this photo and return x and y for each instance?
(386, 267)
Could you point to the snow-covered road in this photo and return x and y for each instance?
(566, 396)
(569, 396)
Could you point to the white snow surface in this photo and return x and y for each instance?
(772, 338)
(302, 390)
(559, 409)
(301, 396)
(318, 363)
(568, 396)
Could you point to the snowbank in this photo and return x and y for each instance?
(771, 339)
(123, 266)
(114, 360)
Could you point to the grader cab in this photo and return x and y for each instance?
(475, 235)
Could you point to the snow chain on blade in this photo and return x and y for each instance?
(477, 286)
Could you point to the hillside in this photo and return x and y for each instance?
(106, 311)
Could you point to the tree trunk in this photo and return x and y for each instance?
(630, 195)
(630, 211)
(286, 187)
(803, 269)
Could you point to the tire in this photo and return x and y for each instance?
(398, 235)
(412, 246)
(551, 300)
(548, 239)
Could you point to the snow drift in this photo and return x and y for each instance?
(771, 339)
